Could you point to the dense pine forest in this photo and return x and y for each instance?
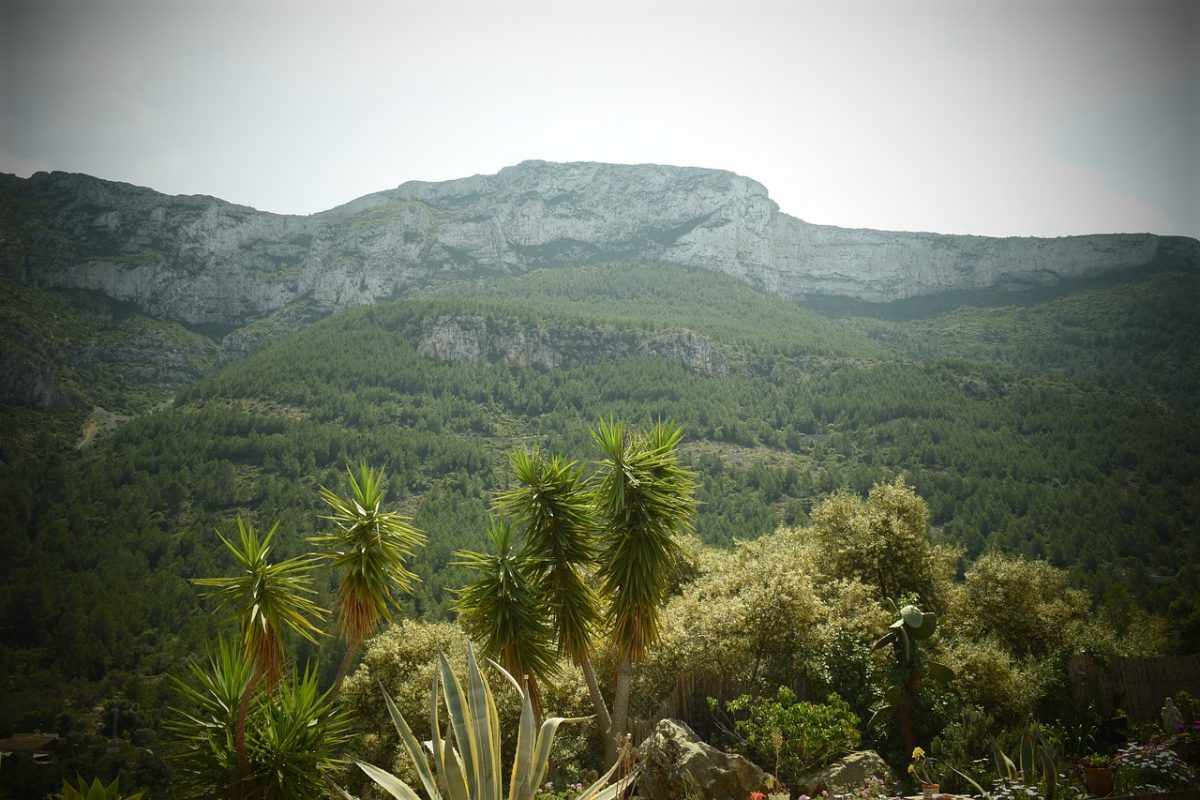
(1060, 425)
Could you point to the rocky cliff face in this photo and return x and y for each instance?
(476, 340)
(203, 261)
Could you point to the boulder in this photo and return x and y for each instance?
(675, 763)
(848, 774)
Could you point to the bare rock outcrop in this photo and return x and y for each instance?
(200, 260)
(677, 763)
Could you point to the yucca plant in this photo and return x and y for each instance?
(504, 612)
(370, 548)
(294, 734)
(95, 791)
(466, 763)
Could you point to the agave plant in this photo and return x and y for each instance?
(95, 791)
(466, 762)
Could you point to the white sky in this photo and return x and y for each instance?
(1030, 117)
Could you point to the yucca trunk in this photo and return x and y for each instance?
(603, 720)
(620, 713)
(242, 781)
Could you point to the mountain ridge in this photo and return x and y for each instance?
(201, 260)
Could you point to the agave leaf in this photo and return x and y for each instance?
(455, 777)
(519, 787)
(545, 741)
(435, 732)
(594, 791)
(460, 723)
(1051, 772)
(892, 696)
(907, 645)
(979, 789)
(411, 746)
(1005, 768)
(611, 792)
(390, 783)
(485, 729)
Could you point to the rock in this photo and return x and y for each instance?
(200, 260)
(848, 774)
(675, 763)
(465, 339)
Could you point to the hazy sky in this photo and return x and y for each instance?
(1006, 118)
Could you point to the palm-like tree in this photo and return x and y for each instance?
(264, 598)
(551, 501)
(504, 611)
(370, 548)
(644, 498)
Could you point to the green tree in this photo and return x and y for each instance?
(371, 549)
(644, 500)
(884, 542)
(504, 611)
(551, 501)
(265, 598)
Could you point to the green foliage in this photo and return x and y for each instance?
(265, 598)
(904, 636)
(884, 541)
(505, 611)
(94, 791)
(550, 500)
(1061, 429)
(653, 297)
(809, 735)
(370, 549)
(1034, 767)
(467, 757)
(1027, 606)
(294, 735)
(644, 499)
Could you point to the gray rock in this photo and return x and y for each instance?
(848, 774)
(200, 260)
(676, 764)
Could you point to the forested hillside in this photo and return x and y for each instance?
(1064, 428)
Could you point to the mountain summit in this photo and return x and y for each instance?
(201, 260)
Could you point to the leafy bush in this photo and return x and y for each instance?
(1150, 768)
(796, 736)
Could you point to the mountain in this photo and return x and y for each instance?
(202, 261)
(168, 365)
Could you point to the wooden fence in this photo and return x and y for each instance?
(1137, 685)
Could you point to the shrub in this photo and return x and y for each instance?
(810, 735)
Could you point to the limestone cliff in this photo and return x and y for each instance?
(474, 340)
(200, 260)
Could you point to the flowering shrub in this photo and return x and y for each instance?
(547, 791)
(1150, 767)
(1009, 789)
(872, 789)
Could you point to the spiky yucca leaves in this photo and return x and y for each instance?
(265, 598)
(560, 541)
(505, 612)
(467, 762)
(645, 499)
(370, 548)
(293, 735)
(94, 791)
